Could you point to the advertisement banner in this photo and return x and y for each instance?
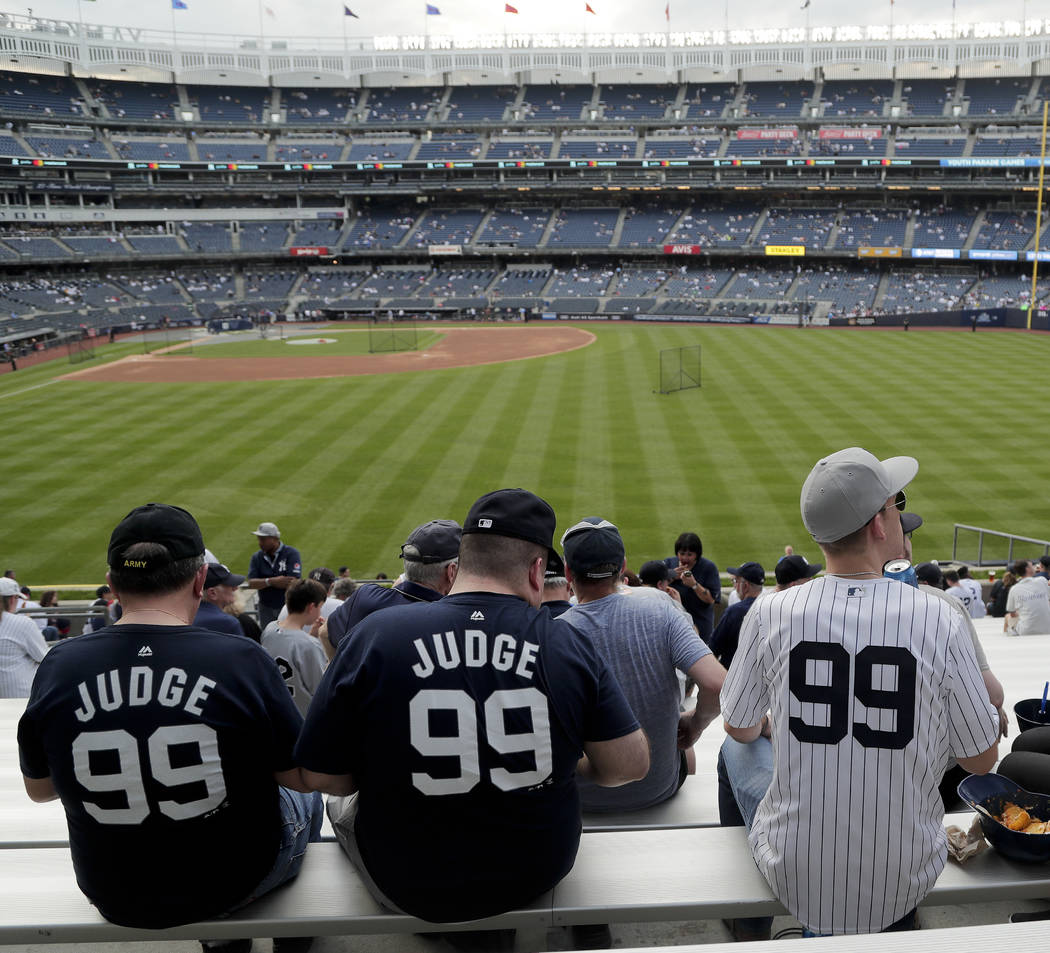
(445, 249)
(991, 254)
(936, 253)
(683, 249)
(788, 250)
(831, 133)
(767, 134)
(879, 251)
(307, 251)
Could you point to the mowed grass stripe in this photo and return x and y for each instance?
(583, 429)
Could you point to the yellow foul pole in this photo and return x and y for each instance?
(1038, 217)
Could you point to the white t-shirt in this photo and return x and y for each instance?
(21, 649)
(1030, 599)
(872, 688)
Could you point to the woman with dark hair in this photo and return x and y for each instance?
(57, 627)
(697, 581)
(22, 645)
(999, 593)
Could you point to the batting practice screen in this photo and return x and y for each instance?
(679, 368)
(385, 336)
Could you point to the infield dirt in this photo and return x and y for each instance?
(460, 347)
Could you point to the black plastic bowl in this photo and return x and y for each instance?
(1028, 716)
(993, 792)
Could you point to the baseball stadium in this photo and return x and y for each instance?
(348, 284)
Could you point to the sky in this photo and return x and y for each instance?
(319, 18)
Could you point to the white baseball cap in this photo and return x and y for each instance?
(8, 587)
(845, 490)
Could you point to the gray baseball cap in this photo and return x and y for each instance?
(267, 529)
(845, 490)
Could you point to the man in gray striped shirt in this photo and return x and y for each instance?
(847, 699)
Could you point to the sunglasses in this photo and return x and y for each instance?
(900, 501)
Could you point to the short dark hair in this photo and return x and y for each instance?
(950, 575)
(172, 575)
(500, 557)
(303, 593)
(1044, 561)
(689, 543)
(964, 572)
(1020, 567)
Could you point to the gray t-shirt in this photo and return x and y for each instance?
(301, 661)
(1030, 599)
(643, 642)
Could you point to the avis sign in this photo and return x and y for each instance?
(308, 251)
(683, 249)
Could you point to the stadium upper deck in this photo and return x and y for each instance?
(597, 184)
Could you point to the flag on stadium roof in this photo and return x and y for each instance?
(179, 5)
(589, 8)
(667, 11)
(433, 11)
(270, 13)
(507, 8)
(347, 12)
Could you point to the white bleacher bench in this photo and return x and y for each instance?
(621, 877)
(1015, 937)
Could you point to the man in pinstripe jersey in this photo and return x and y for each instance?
(847, 699)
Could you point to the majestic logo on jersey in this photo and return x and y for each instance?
(477, 616)
(145, 652)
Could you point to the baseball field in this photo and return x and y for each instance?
(346, 465)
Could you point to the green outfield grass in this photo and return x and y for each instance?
(346, 467)
(343, 343)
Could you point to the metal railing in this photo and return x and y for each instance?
(993, 548)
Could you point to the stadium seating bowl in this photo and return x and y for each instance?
(993, 792)
(1028, 714)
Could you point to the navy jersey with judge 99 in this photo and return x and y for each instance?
(462, 722)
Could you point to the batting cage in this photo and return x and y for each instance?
(386, 336)
(679, 368)
(82, 346)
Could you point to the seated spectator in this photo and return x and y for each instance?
(450, 824)
(294, 646)
(22, 645)
(999, 593)
(697, 581)
(748, 581)
(103, 598)
(1028, 604)
(644, 642)
(431, 555)
(225, 723)
(556, 592)
(57, 627)
(220, 592)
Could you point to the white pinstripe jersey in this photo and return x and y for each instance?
(872, 688)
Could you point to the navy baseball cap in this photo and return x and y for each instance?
(220, 575)
(654, 571)
(910, 522)
(170, 526)
(793, 568)
(929, 573)
(555, 566)
(516, 513)
(592, 543)
(433, 542)
(752, 572)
